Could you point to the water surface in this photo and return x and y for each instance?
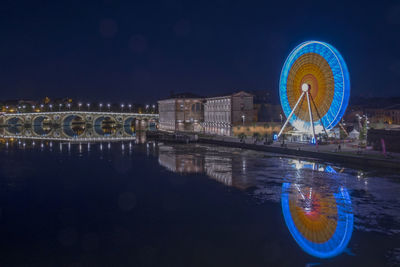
(154, 204)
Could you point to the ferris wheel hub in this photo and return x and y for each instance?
(305, 87)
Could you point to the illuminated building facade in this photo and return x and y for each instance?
(223, 112)
(182, 112)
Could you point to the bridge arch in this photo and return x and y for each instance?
(105, 125)
(14, 129)
(129, 125)
(41, 125)
(17, 120)
(73, 125)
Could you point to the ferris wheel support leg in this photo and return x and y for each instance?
(344, 129)
(311, 117)
(320, 119)
(291, 114)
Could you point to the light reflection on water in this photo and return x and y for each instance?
(317, 206)
(322, 205)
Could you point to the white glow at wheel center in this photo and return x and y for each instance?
(305, 87)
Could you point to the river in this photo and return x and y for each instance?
(155, 204)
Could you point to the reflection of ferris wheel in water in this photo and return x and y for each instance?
(320, 220)
(314, 88)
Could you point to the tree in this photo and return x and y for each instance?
(266, 138)
(242, 136)
(363, 131)
(256, 136)
(342, 134)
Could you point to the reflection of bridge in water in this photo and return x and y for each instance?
(76, 125)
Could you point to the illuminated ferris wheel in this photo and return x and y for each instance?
(314, 88)
(320, 222)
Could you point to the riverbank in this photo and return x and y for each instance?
(347, 156)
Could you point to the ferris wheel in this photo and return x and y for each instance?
(321, 221)
(314, 88)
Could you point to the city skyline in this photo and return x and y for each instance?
(113, 50)
(199, 133)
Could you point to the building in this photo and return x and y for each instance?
(389, 115)
(353, 112)
(223, 112)
(265, 112)
(181, 112)
(267, 107)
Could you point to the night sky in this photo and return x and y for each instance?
(141, 51)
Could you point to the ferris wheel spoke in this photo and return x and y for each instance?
(291, 114)
(311, 116)
(320, 119)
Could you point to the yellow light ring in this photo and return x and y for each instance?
(317, 226)
(314, 70)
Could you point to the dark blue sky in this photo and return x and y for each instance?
(141, 51)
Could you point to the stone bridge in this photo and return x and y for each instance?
(69, 124)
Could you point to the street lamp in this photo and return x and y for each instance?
(41, 107)
(59, 107)
(100, 105)
(122, 107)
(79, 106)
(108, 105)
(88, 106)
(69, 106)
(243, 118)
(130, 107)
(51, 107)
